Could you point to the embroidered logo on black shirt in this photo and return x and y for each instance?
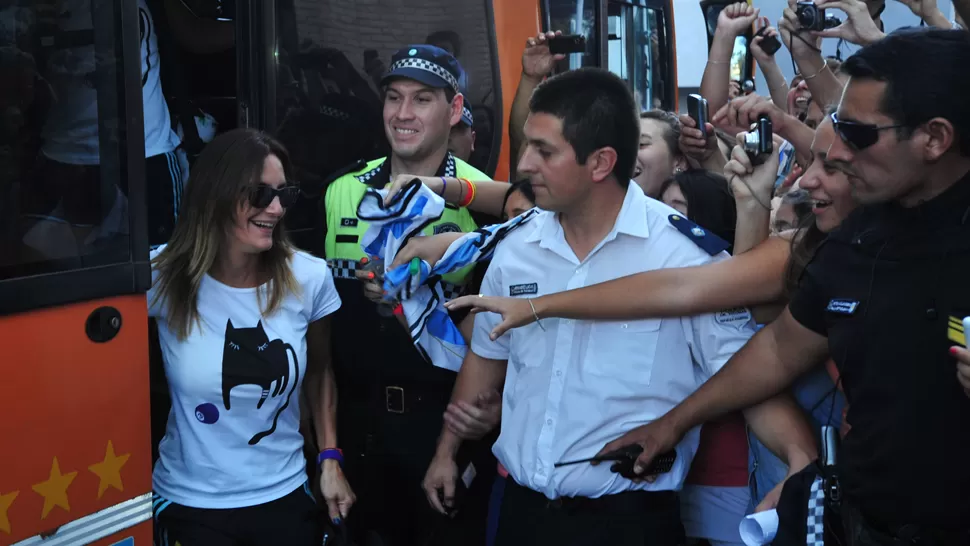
(842, 307)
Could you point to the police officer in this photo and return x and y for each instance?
(462, 139)
(391, 400)
(885, 297)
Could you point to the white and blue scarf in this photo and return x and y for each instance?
(391, 226)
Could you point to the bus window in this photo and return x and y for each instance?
(637, 52)
(63, 180)
(575, 17)
(331, 55)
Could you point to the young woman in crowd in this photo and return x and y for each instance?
(242, 320)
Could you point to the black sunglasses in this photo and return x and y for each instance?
(859, 136)
(263, 194)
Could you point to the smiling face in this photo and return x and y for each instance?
(673, 196)
(827, 186)
(655, 160)
(252, 229)
(418, 118)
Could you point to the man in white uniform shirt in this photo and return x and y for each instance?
(573, 386)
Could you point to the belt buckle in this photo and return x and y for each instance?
(394, 399)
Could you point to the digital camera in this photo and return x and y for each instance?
(810, 17)
(759, 144)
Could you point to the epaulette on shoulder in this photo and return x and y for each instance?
(354, 167)
(707, 241)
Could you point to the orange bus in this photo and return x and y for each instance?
(77, 406)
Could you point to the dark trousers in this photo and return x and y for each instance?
(385, 468)
(294, 520)
(634, 518)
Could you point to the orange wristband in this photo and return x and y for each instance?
(471, 193)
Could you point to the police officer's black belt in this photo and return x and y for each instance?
(344, 269)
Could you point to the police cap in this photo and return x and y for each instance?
(427, 64)
(466, 115)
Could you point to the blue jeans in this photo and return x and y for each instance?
(816, 394)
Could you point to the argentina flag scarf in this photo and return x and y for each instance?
(418, 287)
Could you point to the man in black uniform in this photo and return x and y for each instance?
(883, 297)
(391, 400)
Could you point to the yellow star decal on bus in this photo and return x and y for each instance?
(5, 502)
(109, 470)
(54, 490)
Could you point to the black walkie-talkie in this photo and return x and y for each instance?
(827, 462)
(624, 459)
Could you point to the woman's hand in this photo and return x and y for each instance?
(434, 183)
(759, 54)
(858, 28)
(336, 491)
(746, 111)
(736, 19)
(692, 142)
(803, 44)
(516, 312)
(749, 181)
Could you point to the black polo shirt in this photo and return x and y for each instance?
(888, 290)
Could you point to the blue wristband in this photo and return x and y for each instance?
(333, 453)
(444, 186)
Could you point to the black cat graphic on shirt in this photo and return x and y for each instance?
(249, 357)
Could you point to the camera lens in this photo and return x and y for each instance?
(751, 142)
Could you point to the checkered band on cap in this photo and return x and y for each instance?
(428, 66)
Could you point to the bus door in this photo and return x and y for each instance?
(75, 467)
(316, 65)
(632, 38)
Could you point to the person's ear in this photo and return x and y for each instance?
(601, 163)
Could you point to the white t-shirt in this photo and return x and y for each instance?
(71, 133)
(233, 437)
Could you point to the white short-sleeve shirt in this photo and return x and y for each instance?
(577, 385)
(233, 436)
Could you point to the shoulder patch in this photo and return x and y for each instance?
(707, 241)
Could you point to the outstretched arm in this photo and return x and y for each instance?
(753, 278)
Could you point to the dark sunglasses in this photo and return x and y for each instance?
(858, 136)
(263, 194)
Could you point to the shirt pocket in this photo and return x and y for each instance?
(527, 348)
(623, 350)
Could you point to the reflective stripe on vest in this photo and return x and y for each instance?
(345, 230)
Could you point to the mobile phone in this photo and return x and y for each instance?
(769, 44)
(567, 43)
(697, 110)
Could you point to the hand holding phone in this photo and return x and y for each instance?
(770, 44)
(697, 110)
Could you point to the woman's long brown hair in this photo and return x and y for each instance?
(223, 176)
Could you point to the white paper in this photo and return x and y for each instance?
(759, 528)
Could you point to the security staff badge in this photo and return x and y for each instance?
(955, 330)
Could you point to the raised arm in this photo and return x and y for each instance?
(753, 278)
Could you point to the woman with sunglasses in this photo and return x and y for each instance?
(242, 320)
(764, 276)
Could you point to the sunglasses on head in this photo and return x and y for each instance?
(263, 194)
(858, 136)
